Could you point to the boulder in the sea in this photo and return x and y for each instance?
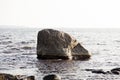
(54, 44)
(52, 77)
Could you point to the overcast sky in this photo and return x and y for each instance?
(60, 13)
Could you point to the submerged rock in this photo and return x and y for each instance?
(54, 44)
(52, 77)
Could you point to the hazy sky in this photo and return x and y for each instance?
(60, 13)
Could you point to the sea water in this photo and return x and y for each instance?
(18, 54)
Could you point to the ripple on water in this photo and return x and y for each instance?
(11, 50)
(5, 42)
(26, 42)
(24, 60)
(27, 47)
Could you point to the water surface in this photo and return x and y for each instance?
(18, 54)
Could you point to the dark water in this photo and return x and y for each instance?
(18, 55)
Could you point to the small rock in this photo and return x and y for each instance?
(108, 72)
(52, 77)
(30, 78)
(116, 71)
(99, 71)
(89, 69)
(22, 67)
(4, 76)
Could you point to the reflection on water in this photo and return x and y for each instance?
(55, 66)
(60, 67)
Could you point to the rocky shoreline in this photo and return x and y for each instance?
(114, 71)
(5, 76)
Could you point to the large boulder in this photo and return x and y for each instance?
(54, 44)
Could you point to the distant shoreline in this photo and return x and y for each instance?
(65, 29)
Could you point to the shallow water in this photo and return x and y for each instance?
(18, 55)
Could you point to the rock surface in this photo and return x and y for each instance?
(115, 71)
(97, 71)
(54, 44)
(4, 76)
(52, 77)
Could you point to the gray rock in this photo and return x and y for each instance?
(4, 76)
(100, 71)
(97, 71)
(80, 53)
(116, 71)
(54, 44)
(52, 77)
(24, 77)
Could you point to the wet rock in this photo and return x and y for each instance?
(23, 77)
(80, 53)
(30, 78)
(52, 77)
(97, 71)
(116, 71)
(88, 69)
(53, 44)
(4, 76)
